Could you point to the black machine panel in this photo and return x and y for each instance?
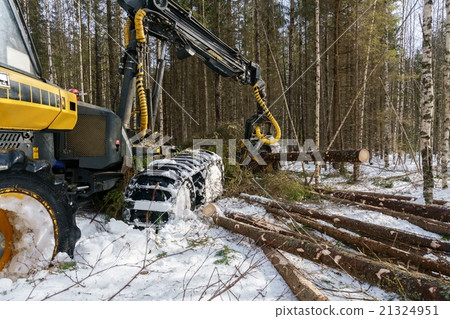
(95, 141)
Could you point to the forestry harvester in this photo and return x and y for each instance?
(56, 150)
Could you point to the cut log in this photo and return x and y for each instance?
(209, 210)
(302, 288)
(373, 194)
(431, 225)
(440, 202)
(411, 285)
(385, 234)
(263, 224)
(429, 211)
(350, 156)
(367, 245)
(390, 196)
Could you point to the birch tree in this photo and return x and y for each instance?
(446, 140)
(427, 103)
(387, 88)
(318, 65)
(49, 42)
(89, 4)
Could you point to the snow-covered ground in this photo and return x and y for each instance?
(192, 259)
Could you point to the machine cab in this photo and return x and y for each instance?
(27, 102)
(16, 49)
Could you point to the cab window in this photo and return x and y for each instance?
(13, 49)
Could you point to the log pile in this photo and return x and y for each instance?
(436, 212)
(388, 235)
(429, 224)
(386, 257)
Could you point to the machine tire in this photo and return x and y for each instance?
(19, 187)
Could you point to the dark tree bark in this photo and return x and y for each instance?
(302, 288)
(369, 246)
(425, 223)
(428, 211)
(381, 233)
(365, 245)
(336, 109)
(112, 63)
(412, 285)
(349, 156)
(218, 79)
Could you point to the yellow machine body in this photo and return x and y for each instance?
(28, 103)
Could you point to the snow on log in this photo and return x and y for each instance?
(302, 288)
(385, 234)
(411, 285)
(439, 213)
(391, 196)
(373, 194)
(431, 225)
(350, 156)
(367, 245)
(263, 224)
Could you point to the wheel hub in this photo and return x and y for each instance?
(27, 230)
(6, 237)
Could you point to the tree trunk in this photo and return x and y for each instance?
(318, 66)
(414, 286)
(381, 233)
(400, 90)
(98, 57)
(336, 87)
(111, 56)
(89, 4)
(160, 108)
(362, 105)
(368, 246)
(427, 103)
(80, 49)
(346, 156)
(425, 223)
(218, 79)
(205, 78)
(302, 288)
(428, 211)
(387, 106)
(446, 140)
(291, 67)
(51, 72)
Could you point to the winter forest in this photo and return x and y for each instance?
(356, 69)
(350, 75)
